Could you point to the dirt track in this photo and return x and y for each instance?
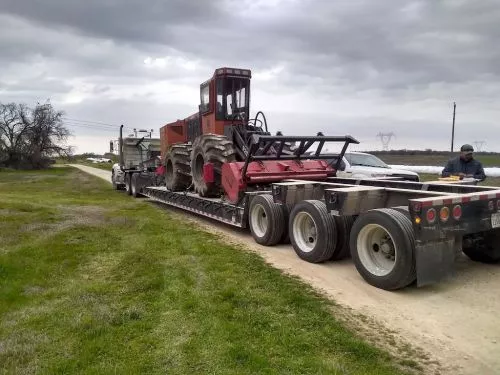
(456, 322)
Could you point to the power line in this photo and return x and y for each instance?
(90, 122)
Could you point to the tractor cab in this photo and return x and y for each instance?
(225, 100)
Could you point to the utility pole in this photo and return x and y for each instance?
(453, 126)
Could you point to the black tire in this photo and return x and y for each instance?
(178, 167)
(285, 239)
(483, 247)
(266, 220)
(215, 149)
(344, 226)
(113, 181)
(127, 183)
(312, 231)
(134, 185)
(369, 254)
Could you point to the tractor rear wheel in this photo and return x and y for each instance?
(178, 167)
(214, 149)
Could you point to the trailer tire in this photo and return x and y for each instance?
(483, 247)
(285, 239)
(215, 149)
(133, 185)
(127, 183)
(266, 220)
(376, 237)
(178, 167)
(312, 231)
(344, 226)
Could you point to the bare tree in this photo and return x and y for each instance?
(29, 137)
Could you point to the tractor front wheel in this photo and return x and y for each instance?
(210, 149)
(178, 167)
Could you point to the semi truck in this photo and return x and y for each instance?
(221, 164)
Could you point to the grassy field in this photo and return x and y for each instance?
(488, 160)
(94, 282)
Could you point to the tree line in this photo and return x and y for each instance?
(31, 137)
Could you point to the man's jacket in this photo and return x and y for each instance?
(457, 165)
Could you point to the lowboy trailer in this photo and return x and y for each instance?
(397, 232)
(220, 164)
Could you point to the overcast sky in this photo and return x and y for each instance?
(356, 67)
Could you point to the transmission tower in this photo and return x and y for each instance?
(385, 138)
(479, 145)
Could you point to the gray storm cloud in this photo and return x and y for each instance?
(355, 67)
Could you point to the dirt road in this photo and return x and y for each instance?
(456, 322)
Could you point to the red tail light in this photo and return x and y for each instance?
(457, 212)
(444, 214)
(431, 215)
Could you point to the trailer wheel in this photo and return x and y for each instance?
(312, 231)
(483, 247)
(344, 226)
(215, 149)
(178, 167)
(266, 220)
(383, 248)
(127, 183)
(134, 185)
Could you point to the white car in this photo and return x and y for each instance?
(362, 165)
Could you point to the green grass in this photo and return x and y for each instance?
(488, 160)
(94, 282)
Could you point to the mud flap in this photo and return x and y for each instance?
(435, 260)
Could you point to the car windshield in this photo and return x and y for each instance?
(365, 160)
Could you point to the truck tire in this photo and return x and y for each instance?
(383, 248)
(344, 226)
(127, 179)
(215, 149)
(134, 185)
(483, 247)
(312, 231)
(178, 167)
(113, 181)
(266, 220)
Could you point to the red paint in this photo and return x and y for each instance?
(160, 170)
(208, 173)
(426, 204)
(447, 201)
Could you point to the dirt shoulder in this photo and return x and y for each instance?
(455, 323)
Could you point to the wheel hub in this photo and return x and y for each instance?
(376, 249)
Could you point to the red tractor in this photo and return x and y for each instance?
(221, 151)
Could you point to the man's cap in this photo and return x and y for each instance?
(467, 148)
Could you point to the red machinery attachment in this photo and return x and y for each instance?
(265, 163)
(266, 172)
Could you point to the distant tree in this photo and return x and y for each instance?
(30, 137)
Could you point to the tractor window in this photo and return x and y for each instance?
(205, 98)
(236, 93)
(220, 100)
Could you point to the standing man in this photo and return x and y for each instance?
(465, 165)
